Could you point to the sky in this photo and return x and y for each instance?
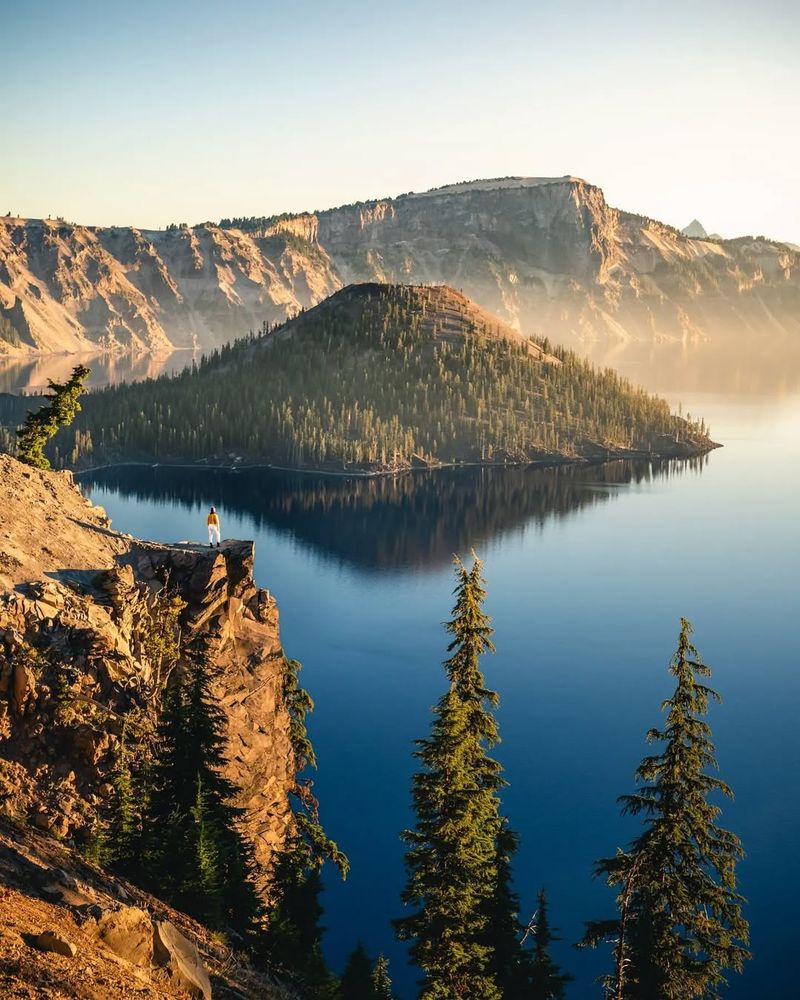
(145, 113)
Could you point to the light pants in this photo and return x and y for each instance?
(213, 534)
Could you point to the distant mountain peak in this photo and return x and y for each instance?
(695, 230)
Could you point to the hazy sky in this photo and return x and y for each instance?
(145, 112)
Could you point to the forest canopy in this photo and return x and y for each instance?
(379, 377)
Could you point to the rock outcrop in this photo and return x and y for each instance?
(547, 255)
(78, 603)
(70, 929)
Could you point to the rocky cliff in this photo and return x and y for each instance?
(80, 656)
(548, 255)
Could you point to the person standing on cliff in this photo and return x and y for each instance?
(213, 527)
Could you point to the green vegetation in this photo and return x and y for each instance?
(59, 411)
(547, 981)
(451, 859)
(171, 825)
(464, 931)
(680, 923)
(364, 979)
(8, 332)
(370, 379)
(293, 939)
(194, 847)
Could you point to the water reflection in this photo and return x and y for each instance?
(755, 366)
(759, 366)
(30, 375)
(417, 520)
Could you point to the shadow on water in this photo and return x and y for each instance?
(376, 525)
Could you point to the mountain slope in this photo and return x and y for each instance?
(379, 378)
(48, 887)
(547, 255)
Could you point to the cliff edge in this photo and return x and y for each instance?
(81, 657)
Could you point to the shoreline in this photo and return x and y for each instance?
(554, 462)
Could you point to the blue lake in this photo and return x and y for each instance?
(588, 573)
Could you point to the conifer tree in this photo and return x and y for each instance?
(196, 847)
(547, 981)
(381, 983)
(168, 808)
(357, 982)
(452, 851)
(509, 963)
(680, 925)
(129, 802)
(293, 938)
(59, 411)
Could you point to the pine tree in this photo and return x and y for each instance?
(293, 937)
(168, 810)
(60, 410)
(509, 964)
(680, 924)
(357, 982)
(196, 847)
(381, 983)
(452, 851)
(130, 799)
(547, 981)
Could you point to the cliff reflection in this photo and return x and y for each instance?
(30, 375)
(413, 521)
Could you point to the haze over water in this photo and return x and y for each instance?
(588, 572)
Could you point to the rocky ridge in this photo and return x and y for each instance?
(547, 255)
(77, 661)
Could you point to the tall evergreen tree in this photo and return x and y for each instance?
(547, 981)
(509, 963)
(680, 924)
(60, 410)
(293, 939)
(196, 847)
(357, 982)
(363, 979)
(452, 851)
(381, 983)
(131, 795)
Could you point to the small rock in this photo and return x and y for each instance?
(64, 878)
(42, 820)
(91, 911)
(53, 941)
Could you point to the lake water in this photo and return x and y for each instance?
(31, 374)
(588, 571)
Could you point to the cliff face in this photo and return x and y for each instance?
(548, 255)
(77, 657)
(70, 288)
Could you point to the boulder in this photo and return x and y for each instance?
(180, 958)
(53, 941)
(128, 932)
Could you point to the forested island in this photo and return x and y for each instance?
(380, 378)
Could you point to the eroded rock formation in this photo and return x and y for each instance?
(77, 657)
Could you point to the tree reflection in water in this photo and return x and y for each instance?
(417, 520)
